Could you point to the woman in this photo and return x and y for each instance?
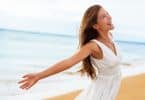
(99, 55)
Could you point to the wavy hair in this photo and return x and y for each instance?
(86, 33)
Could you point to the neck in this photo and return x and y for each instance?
(104, 35)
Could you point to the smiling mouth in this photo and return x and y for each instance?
(110, 24)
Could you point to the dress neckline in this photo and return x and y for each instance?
(114, 52)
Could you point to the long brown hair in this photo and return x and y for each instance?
(86, 33)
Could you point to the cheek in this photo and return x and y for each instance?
(102, 24)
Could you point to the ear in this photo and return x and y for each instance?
(95, 26)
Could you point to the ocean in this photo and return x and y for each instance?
(23, 52)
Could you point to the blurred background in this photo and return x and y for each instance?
(35, 34)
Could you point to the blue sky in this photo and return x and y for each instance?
(64, 16)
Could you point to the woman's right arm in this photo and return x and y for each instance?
(81, 54)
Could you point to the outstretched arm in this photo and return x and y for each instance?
(30, 79)
(67, 63)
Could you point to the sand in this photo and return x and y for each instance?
(132, 88)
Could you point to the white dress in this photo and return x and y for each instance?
(107, 83)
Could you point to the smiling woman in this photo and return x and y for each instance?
(99, 55)
(97, 48)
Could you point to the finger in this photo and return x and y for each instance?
(25, 85)
(24, 80)
(29, 86)
(27, 75)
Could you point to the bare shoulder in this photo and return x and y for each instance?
(93, 46)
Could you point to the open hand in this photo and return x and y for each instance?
(28, 80)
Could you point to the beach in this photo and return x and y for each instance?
(132, 88)
(25, 52)
(67, 87)
(36, 34)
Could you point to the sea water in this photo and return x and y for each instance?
(24, 52)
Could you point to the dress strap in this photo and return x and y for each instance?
(99, 44)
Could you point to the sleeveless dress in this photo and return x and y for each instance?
(107, 83)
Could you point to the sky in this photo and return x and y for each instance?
(64, 16)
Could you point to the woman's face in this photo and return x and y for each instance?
(104, 20)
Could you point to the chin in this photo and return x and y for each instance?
(111, 28)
